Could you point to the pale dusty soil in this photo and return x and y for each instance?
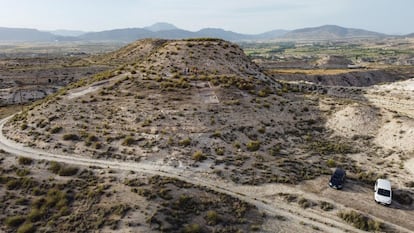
(387, 115)
(355, 119)
(265, 197)
(410, 166)
(354, 196)
(304, 221)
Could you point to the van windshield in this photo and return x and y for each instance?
(384, 192)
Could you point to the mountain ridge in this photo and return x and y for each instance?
(170, 31)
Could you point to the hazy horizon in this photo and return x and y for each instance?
(385, 16)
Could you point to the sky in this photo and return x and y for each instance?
(243, 16)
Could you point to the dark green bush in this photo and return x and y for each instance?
(26, 228)
(68, 171)
(54, 167)
(56, 129)
(24, 160)
(14, 221)
(326, 206)
(70, 137)
(61, 170)
(128, 141)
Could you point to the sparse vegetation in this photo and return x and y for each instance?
(331, 163)
(326, 206)
(198, 156)
(185, 142)
(56, 130)
(70, 137)
(361, 221)
(128, 141)
(57, 168)
(253, 145)
(25, 161)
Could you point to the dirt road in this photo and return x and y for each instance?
(309, 220)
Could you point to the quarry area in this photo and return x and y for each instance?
(205, 135)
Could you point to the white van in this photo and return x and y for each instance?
(383, 192)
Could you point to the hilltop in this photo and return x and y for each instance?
(180, 102)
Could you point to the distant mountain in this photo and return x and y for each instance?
(63, 32)
(271, 34)
(132, 34)
(24, 34)
(169, 31)
(409, 35)
(222, 34)
(161, 27)
(331, 32)
(124, 35)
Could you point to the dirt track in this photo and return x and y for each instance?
(261, 196)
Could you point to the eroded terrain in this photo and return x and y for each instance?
(201, 112)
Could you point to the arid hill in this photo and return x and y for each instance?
(186, 102)
(202, 107)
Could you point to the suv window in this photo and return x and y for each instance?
(384, 192)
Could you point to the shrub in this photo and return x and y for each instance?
(253, 145)
(275, 150)
(331, 163)
(56, 129)
(24, 161)
(70, 137)
(91, 139)
(24, 126)
(14, 221)
(326, 206)
(128, 141)
(361, 221)
(262, 130)
(219, 150)
(57, 168)
(262, 93)
(13, 184)
(185, 142)
(199, 156)
(305, 203)
(97, 145)
(55, 198)
(216, 134)
(192, 228)
(26, 228)
(35, 215)
(212, 217)
(68, 171)
(54, 167)
(22, 172)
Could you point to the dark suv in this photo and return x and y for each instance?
(337, 179)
